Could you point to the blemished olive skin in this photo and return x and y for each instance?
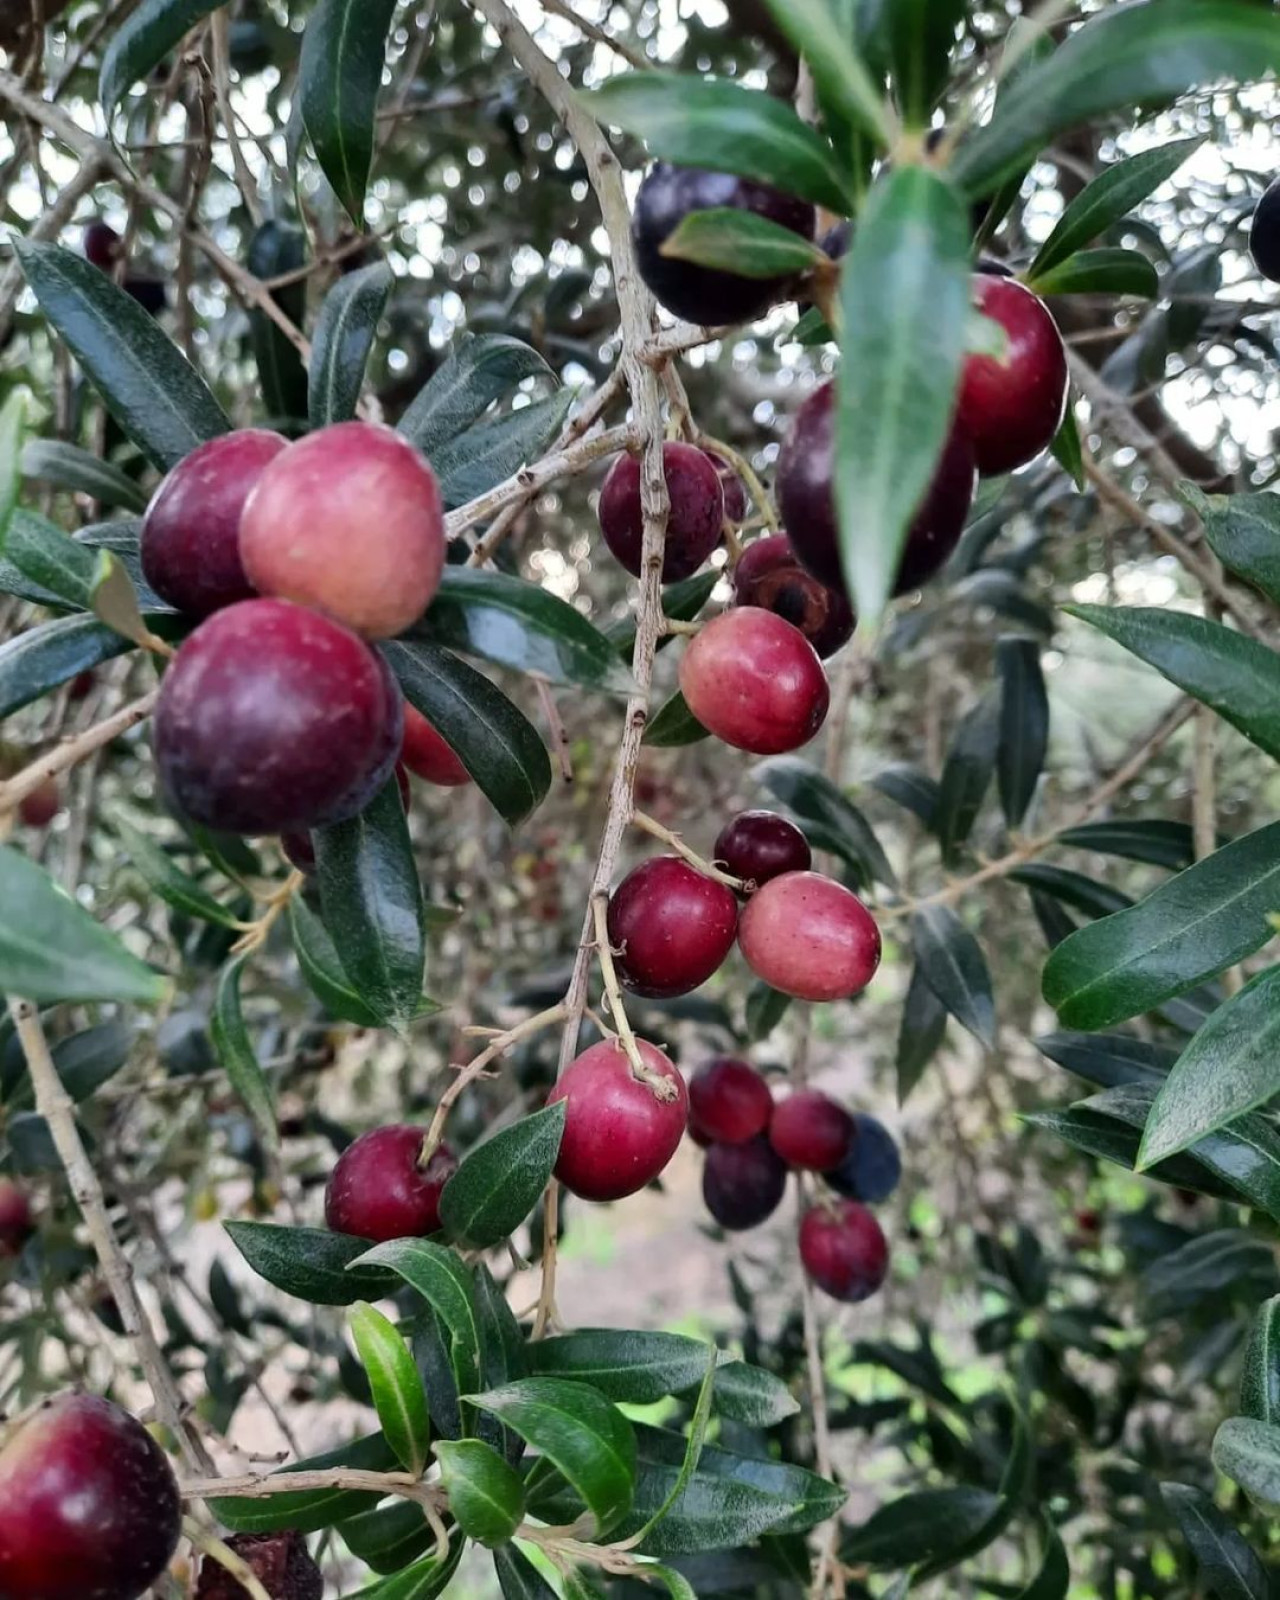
(41, 806)
(743, 1184)
(1264, 233)
(844, 1251)
(191, 532)
(89, 1505)
(811, 1131)
(729, 1102)
(756, 682)
(279, 1561)
(759, 845)
(274, 719)
(380, 1190)
(619, 1131)
(349, 520)
(770, 575)
(1012, 405)
(670, 926)
(695, 524)
(806, 498)
(702, 294)
(810, 937)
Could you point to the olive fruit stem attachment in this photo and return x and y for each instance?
(656, 830)
(469, 1071)
(671, 626)
(746, 472)
(661, 1088)
(210, 1545)
(255, 935)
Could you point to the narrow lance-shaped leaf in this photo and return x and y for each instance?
(1248, 1452)
(446, 1284)
(1194, 926)
(966, 776)
(1225, 1561)
(239, 1059)
(67, 466)
(1110, 270)
(155, 395)
(277, 249)
(1230, 1067)
(52, 950)
(499, 1182)
(1124, 57)
(846, 89)
(1068, 447)
(398, 1395)
(476, 373)
(496, 449)
(1260, 1379)
(1243, 531)
(730, 240)
(13, 423)
(710, 122)
(920, 1033)
(1054, 1577)
(373, 910)
(486, 1495)
(912, 41)
(318, 958)
(518, 1578)
(342, 341)
(311, 1263)
(1024, 725)
(344, 50)
(906, 308)
(142, 41)
(1109, 198)
(951, 962)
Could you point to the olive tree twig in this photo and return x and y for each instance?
(72, 751)
(262, 1485)
(55, 1106)
(657, 830)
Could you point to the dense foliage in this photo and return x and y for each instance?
(305, 1142)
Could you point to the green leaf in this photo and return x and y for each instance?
(424, 1580)
(629, 1365)
(1149, 839)
(496, 449)
(905, 297)
(342, 341)
(485, 1494)
(951, 962)
(1245, 1154)
(1102, 1136)
(175, 888)
(13, 426)
(710, 122)
(499, 1182)
(910, 788)
(673, 725)
(51, 949)
(967, 773)
(920, 1527)
(1109, 1059)
(1226, 1261)
(764, 1010)
(388, 1538)
(1260, 1379)
(921, 1032)
(753, 1396)
(141, 43)
(1225, 1562)
(318, 960)
(372, 901)
(1108, 199)
(729, 240)
(845, 88)
(446, 1284)
(1054, 1577)
(67, 466)
(681, 602)
(1248, 1452)
(84, 1062)
(477, 372)
(1072, 888)
(495, 742)
(310, 1509)
(518, 1578)
(518, 624)
(1106, 271)
(1193, 927)
(1024, 726)
(1068, 449)
(159, 400)
(309, 1263)
(398, 1395)
(1243, 530)
(675, 1583)
(277, 248)
(64, 570)
(1126, 57)
(693, 1450)
(1230, 1067)
(236, 1053)
(812, 796)
(344, 50)
(580, 1433)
